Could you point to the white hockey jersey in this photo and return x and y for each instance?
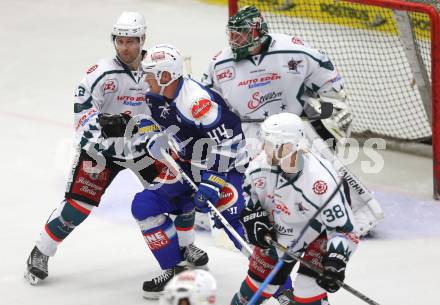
(291, 202)
(108, 87)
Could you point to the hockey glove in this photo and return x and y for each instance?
(209, 189)
(256, 224)
(334, 270)
(113, 125)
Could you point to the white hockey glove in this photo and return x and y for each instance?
(340, 121)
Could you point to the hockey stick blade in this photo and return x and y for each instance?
(312, 267)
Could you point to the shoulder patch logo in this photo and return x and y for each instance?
(201, 107)
(92, 68)
(296, 40)
(320, 187)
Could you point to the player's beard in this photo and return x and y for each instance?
(128, 58)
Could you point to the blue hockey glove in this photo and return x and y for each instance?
(209, 189)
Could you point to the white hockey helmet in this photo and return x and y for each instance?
(163, 58)
(129, 24)
(284, 128)
(196, 287)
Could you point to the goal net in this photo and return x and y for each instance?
(383, 49)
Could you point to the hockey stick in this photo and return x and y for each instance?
(280, 262)
(171, 162)
(314, 268)
(326, 112)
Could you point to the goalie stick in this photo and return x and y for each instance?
(326, 112)
(281, 260)
(309, 265)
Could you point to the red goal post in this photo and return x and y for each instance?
(406, 105)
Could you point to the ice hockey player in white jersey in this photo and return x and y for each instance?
(284, 186)
(112, 91)
(192, 287)
(262, 73)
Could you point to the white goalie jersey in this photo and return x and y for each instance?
(273, 81)
(291, 202)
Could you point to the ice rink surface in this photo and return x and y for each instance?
(46, 47)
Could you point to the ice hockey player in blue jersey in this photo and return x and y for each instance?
(207, 137)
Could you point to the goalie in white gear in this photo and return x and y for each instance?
(262, 73)
(284, 186)
(192, 287)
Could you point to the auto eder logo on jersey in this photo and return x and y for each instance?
(260, 81)
(200, 108)
(225, 74)
(320, 187)
(110, 85)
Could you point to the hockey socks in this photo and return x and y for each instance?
(61, 223)
(248, 289)
(162, 241)
(184, 224)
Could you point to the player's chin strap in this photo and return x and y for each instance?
(286, 254)
(316, 269)
(178, 170)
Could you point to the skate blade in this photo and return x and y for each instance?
(32, 279)
(152, 295)
(194, 267)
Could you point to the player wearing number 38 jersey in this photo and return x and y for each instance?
(284, 186)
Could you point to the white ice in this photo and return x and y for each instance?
(46, 46)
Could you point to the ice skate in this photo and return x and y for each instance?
(153, 289)
(195, 257)
(37, 267)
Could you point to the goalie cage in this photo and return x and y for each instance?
(388, 52)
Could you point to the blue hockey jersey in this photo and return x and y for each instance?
(207, 133)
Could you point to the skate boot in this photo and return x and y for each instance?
(37, 268)
(286, 298)
(154, 288)
(195, 257)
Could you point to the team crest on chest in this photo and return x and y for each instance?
(109, 86)
(293, 65)
(320, 187)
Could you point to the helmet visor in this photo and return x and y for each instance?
(239, 36)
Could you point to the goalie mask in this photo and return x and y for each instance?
(246, 31)
(193, 287)
(283, 138)
(163, 58)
